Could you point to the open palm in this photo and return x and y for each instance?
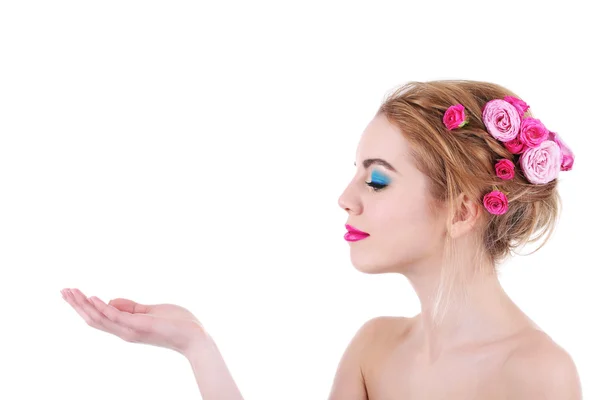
(162, 325)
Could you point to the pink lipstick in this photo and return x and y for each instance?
(354, 235)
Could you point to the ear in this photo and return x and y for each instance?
(466, 214)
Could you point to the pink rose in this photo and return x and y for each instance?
(505, 169)
(454, 117)
(515, 146)
(501, 119)
(496, 202)
(567, 156)
(541, 164)
(519, 104)
(533, 132)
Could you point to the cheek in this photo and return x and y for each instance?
(408, 220)
(404, 229)
(407, 208)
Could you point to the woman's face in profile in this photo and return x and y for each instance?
(388, 198)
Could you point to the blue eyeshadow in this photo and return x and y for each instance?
(379, 178)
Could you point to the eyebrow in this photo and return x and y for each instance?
(377, 161)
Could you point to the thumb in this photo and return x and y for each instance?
(129, 306)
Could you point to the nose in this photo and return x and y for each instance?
(349, 201)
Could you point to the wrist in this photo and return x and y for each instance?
(199, 341)
(210, 370)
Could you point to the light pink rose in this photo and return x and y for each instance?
(541, 164)
(454, 117)
(567, 156)
(501, 119)
(519, 104)
(495, 202)
(515, 146)
(532, 132)
(505, 169)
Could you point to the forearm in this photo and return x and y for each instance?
(212, 375)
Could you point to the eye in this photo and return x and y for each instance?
(375, 185)
(378, 181)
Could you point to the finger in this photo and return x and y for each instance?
(96, 319)
(86, 310)
(129, 306)
(136, 322)
(69, 298)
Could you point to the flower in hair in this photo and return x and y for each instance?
(495, 202)
(532, 132)
(541, 164)
(454, 117)
(519, 104)
(505, 169)
(515, 146)
(501, 119)
(567, 157)
(540, 153)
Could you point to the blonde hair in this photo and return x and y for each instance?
(462, 161)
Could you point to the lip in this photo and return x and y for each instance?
(354, 235)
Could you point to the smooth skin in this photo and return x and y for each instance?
(485, 348)
(163, 325)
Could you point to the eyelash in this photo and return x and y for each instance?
(376, 186)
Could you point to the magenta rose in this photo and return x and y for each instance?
(566, 155)
(541, 164)
(501, 119)
(454, 117)
(515, 146)
(505, 169)
(519, 104)
(495, 202)
(533, 132)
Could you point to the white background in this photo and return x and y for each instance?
(194, 153)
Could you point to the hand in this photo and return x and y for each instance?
(162, 325)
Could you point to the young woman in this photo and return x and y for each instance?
(451, 177)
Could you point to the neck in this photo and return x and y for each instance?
(475, 310)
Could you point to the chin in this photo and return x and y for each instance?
(371, 263)
(380, 261)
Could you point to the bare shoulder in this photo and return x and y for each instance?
(385, 325)
(375, 336)
(538, 368)
(381, 332)
(366, 344)
(387, 329)
(382, 336)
